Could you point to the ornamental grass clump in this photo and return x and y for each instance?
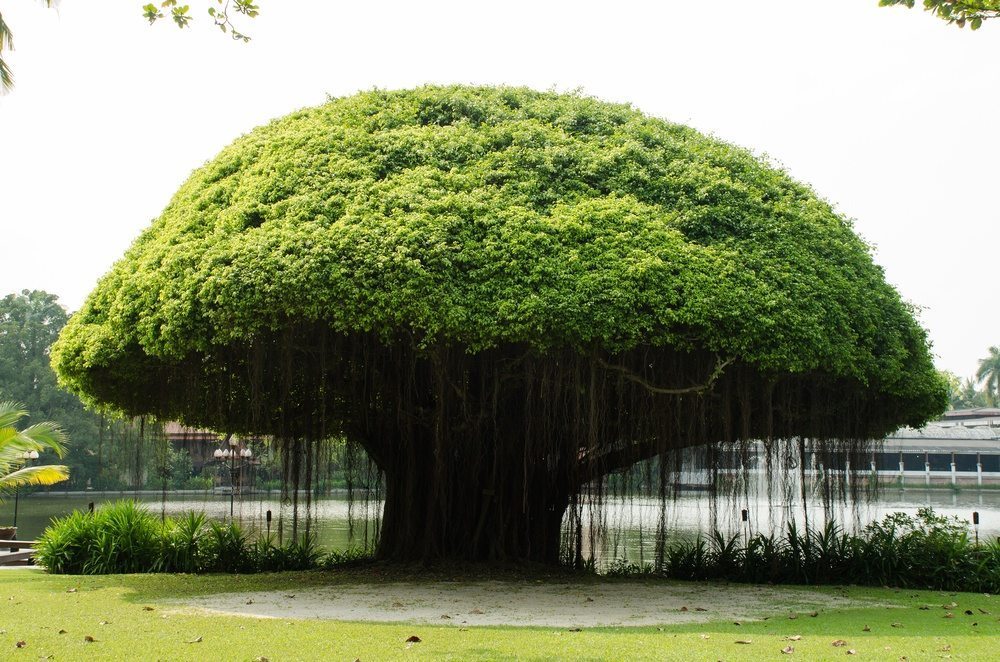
(124, 537)
(503, 297)
(926, 551)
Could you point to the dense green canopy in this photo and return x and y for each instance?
(479, 217)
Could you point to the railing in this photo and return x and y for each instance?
(16, 552)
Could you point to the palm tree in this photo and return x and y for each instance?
(7, 44)
(989, 374)
(16, 444)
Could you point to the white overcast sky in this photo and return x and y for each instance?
(888, 113)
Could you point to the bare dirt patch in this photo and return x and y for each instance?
(527, 603)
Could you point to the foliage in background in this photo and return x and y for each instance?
(220, 11)
(961, 13)
(966, 393)
(927, 551)
(14, 443)
(125, 537)
(104, 451)
(988, 375)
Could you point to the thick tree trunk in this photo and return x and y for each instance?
(471, 510)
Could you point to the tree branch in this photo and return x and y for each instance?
(720, 366)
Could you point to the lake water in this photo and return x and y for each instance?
(632, 522)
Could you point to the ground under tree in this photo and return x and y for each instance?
(503, 296)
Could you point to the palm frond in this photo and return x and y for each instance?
(6, 38)
(10, 413)
(49, 474)
(45, 436)
(6, 44)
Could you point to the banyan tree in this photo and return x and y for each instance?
(504, 297)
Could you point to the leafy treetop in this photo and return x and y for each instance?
(478, 217)
(961, 13)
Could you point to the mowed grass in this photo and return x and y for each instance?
(128, 619)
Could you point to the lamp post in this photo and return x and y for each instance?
(230, 455)
(27, 456)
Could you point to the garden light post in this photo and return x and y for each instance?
(28, 456)
(231, 454)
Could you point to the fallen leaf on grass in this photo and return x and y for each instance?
(744, 641)
(196, 640)
(788, 650)
(839, 643)
(413, 639)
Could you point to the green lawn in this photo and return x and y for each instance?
(127, 619)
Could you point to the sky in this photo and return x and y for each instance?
(880, 110)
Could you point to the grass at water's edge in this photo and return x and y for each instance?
(126, 617)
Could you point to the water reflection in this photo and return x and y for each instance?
(631, 523)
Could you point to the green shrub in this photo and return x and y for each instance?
(198, 483)
(181, 546)
(120, 537)
(922, 551)
(125, 537)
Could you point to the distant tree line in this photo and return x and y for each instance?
(980, 390)
(104, 451)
